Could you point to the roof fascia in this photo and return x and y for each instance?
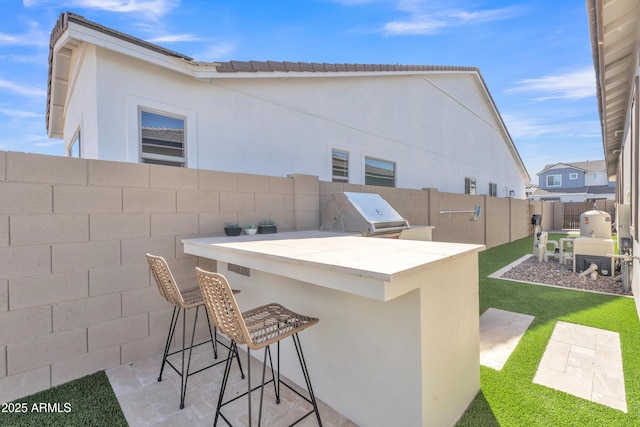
(560, 166)
(214, 74)
(79, 32)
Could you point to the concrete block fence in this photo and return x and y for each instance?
(76, 295)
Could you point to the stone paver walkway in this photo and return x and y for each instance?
(585, 362)
(500, 333)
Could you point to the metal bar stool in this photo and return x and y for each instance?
(182, 300)
(257, 328)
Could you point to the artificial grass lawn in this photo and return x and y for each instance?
(87, 401)
(509, 397)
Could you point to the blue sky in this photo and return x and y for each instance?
(535, 55)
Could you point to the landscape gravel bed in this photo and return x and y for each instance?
(553, 273)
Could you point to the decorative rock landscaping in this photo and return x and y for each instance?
(553, 273)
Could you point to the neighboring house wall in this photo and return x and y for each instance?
(269, 126)
(565, 175)
(437, 128)
(76, 295)
(597, 178)
(575, 182)
(84, 110)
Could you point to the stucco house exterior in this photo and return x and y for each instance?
(115, 97)
(574, 182)
(615, 40)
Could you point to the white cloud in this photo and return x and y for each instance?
(48, 142)
(21, 89)
(354, 2)
(174, 38)
(572, 85)
(428, 17)
(417, 27)
(34, 36)
(149, 8)
(527, 127)
(19, 114)
(152, 8)
(217, 52)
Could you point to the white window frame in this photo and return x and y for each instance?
(75, 143)
(573, 176)
(339, 178)
(493, 189)
(180, 161)
(470, 186)
(378, 159)
(136, 103)
(553, 176)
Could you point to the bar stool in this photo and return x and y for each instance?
(182, 300)
(257, 328)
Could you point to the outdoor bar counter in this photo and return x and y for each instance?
(398, 338)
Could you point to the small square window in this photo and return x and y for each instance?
(573, 176)
(493, 189)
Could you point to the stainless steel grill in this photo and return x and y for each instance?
(365, 213)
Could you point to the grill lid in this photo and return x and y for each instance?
(366, 213)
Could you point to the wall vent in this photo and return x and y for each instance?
(239, 269)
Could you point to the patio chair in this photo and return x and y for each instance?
(182, 300)
(257, 328)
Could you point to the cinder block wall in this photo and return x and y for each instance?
(501, 220)
(76, 295)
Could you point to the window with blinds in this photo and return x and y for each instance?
(162, 139)
(339, 166)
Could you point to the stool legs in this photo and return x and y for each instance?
(305, 372)
(233, 352)
(172, 328)
(184, 374)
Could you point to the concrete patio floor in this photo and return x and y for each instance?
(583, 361)
(147, 402)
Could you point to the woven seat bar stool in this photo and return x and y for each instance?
(182, 300)
(258, 328)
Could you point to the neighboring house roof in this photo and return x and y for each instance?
(592, 189)
(315, 67)
(59, 64)
(614, 43)
(588, 166)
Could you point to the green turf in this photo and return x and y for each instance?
(87, 401)
(509, 397)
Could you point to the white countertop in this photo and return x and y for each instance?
(375, 258)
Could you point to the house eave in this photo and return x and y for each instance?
(615, 38)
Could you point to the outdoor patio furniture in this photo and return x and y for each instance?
(257, 328)
(182, 300)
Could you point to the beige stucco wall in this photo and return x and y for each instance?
(76, 295)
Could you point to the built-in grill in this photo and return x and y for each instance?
(365, 213)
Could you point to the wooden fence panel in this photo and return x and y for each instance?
(571, 212)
